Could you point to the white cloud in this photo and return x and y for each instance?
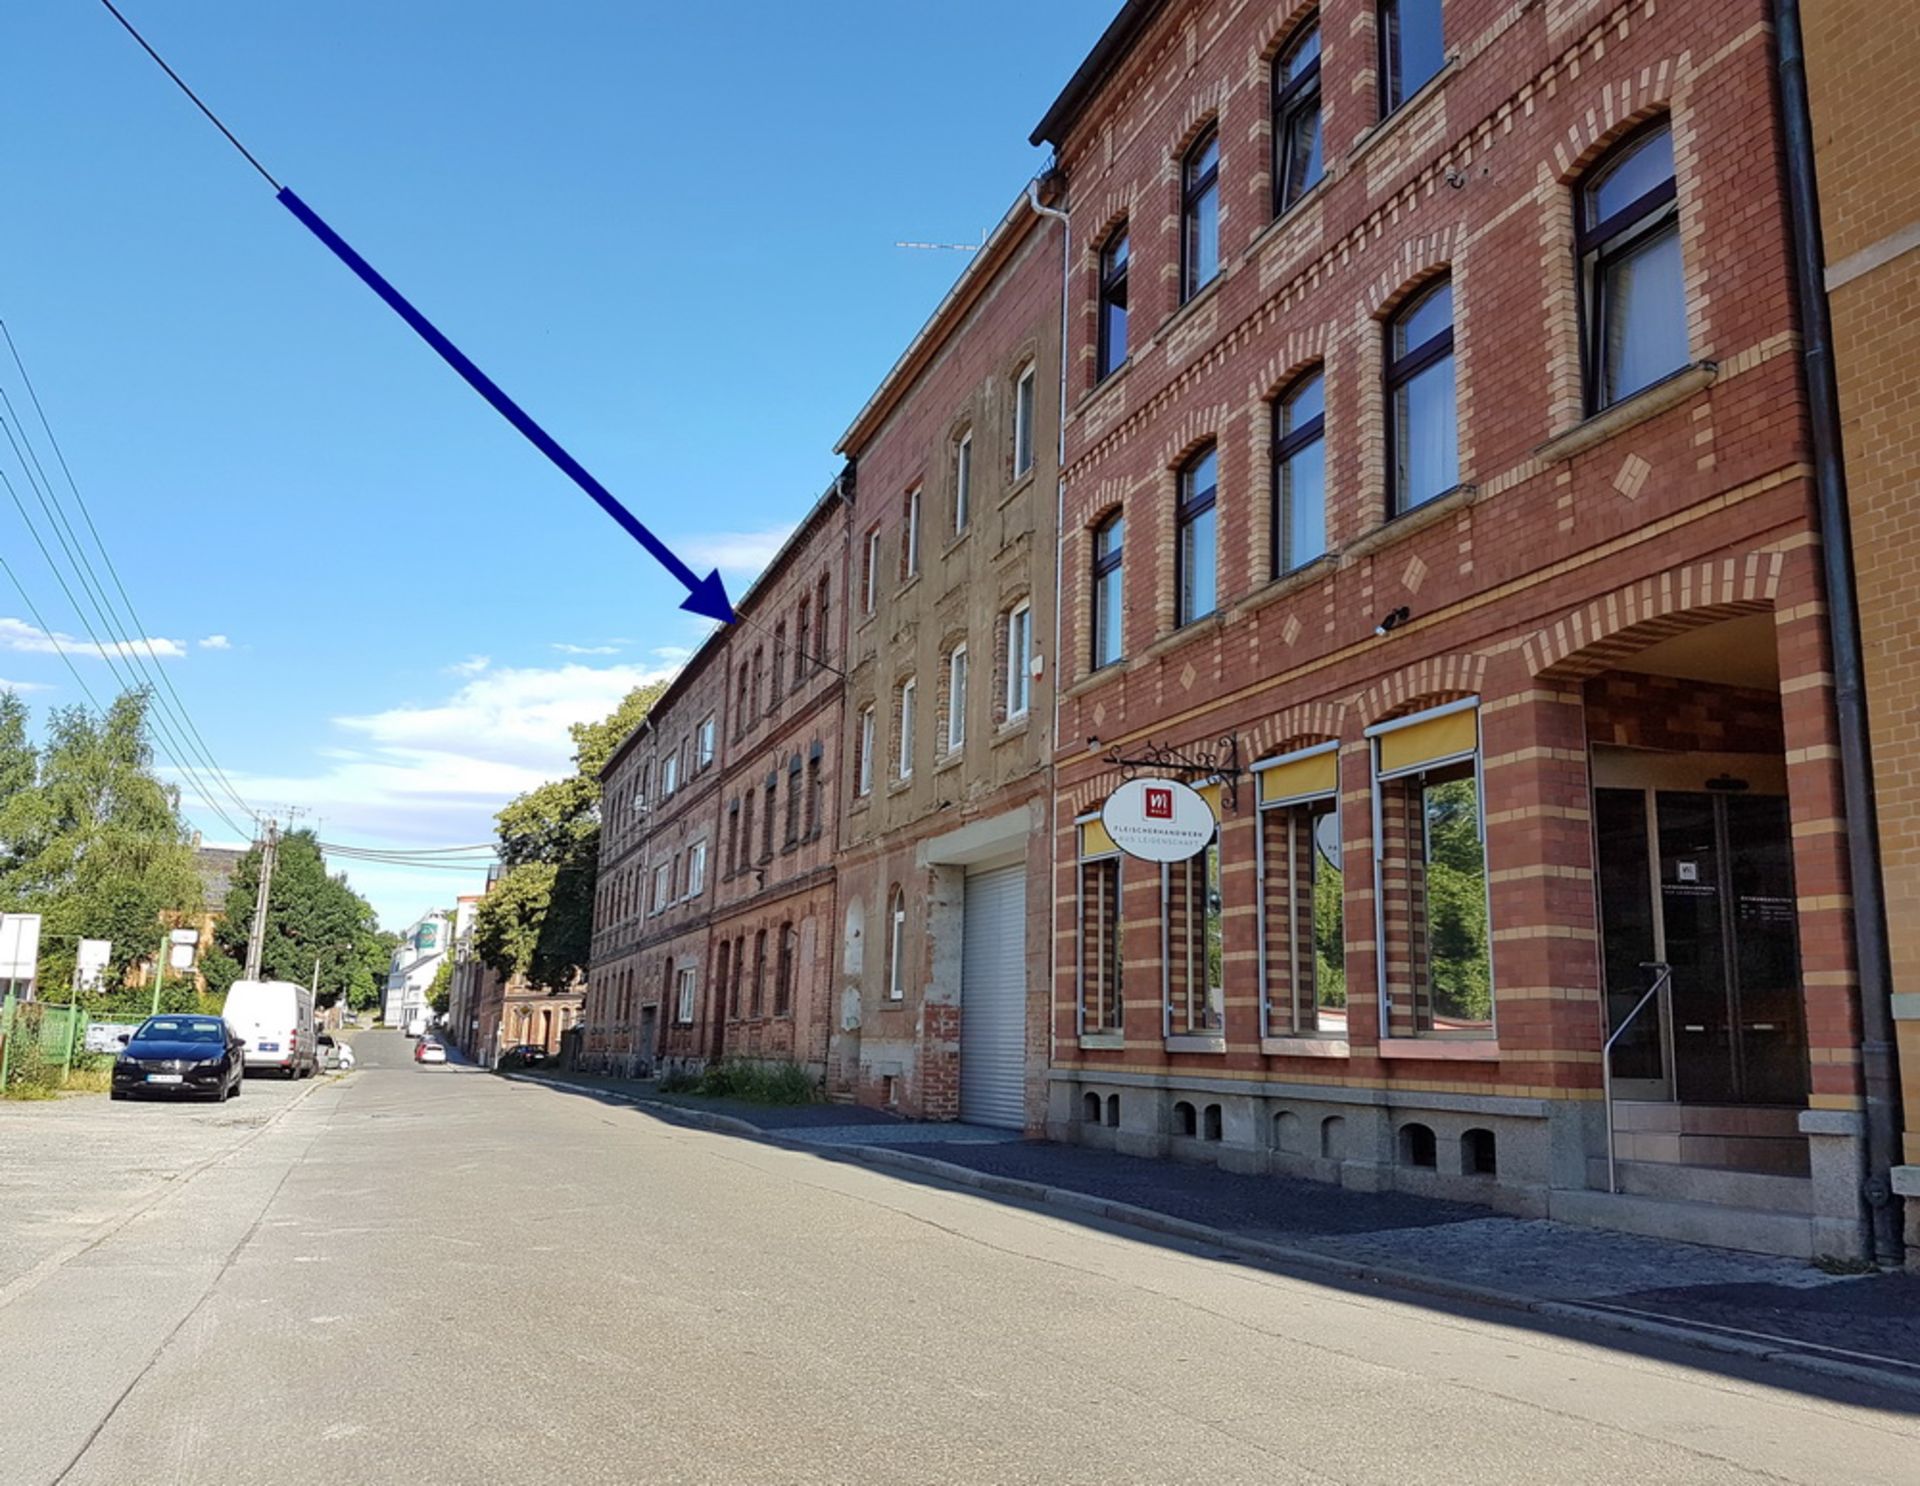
(216, 642)
(739, 552)
(6, 685)
(673, 655)
(473, 665)
(27, 639)
(565, 649)
(434, 773)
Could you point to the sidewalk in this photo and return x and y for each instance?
(1853, 1326)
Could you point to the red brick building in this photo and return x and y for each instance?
(949, 702)
(1436, 488)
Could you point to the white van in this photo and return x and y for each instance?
(275, 1019)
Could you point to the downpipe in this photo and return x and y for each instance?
(1881, 1148)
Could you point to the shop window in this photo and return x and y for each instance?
(1431, 912)
(1100, 963)
(1302, 895)
(1191, 933)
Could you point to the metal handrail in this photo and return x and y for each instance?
(1662, 974)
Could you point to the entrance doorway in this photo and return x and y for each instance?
(1695, 859)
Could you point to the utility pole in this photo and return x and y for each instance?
(257, 939)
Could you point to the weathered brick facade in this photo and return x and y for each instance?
(1573, 545)
(1867, 140)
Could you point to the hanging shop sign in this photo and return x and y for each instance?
(1158, 820)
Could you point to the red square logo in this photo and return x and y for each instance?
(1159, 804)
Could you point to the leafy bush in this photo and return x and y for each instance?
(758, 1083)
(680, 1080)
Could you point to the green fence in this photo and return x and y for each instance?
(40, 1046)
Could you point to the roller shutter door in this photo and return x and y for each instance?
(993, 999)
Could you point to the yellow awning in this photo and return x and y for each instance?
(1318, 774)
(1094, 840)
(1422, 742)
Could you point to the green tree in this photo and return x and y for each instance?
(311, 915)
(537, 920)
(440, 992)
(94, 839)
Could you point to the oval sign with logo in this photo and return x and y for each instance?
(1157, 820)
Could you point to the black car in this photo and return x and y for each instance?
(192, 1057)
(526, 1055)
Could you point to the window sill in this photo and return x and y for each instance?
(1020, 486)
(1442, 1049)
(1110, 671)
(1112, 1041)
(1305, 1047)
(1102, 387)
(1406, 524)
(893, 1003)
(1193, 629)
(951, 759)
(1197, 1042)
(959, 541)
(1008, 731)
(1304, 576)
(1668, 392)
(899, 786)
(1286, 219)
(1205, 292)
(1391, 124)
(906, 585)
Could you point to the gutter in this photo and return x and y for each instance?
(1881, 1148)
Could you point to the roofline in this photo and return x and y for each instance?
(993, 256)
(714, 642)
(1114, 43)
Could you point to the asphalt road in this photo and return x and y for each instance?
(434, 1275)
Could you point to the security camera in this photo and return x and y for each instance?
(1393, 621)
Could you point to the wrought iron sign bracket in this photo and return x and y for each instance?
(1218, 760)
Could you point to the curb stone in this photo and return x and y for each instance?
(1894, 1375)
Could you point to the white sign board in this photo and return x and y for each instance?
(181, 944)
(19, 951)
(92, 961)
(1157, 820)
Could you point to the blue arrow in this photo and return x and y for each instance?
(706, 596)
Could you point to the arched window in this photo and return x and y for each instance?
(1109, 630)
(783, 973)
(1300, 474)
(759, 971)
(1113, 305)
(1633, 300)
(897, 946)
(1297, 160)
(1423, 434)
(1200, 215)
(1198, 561)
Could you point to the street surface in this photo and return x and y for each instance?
(435, 1275)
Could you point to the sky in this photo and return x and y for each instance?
(668, 231)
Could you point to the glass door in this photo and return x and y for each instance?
(1629, 939)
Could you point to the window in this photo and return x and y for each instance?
(1197, 591)
(1437, 973)
(696, 869)
(1200, 215)
(793, 801)
(1109, 634)
(746, 831)
(783, 971)
(772, 791)
(703, 743)
(1191, 926)
(669, 774)
(816, 790)
(1302, 885)
(823, 634)
(1411, 49)
(723, 959)
(1633, 301)
(662, 885)
(1023, 424)
(962, 482)
(1112, 350)
(802, 639)
(863, 754)
(1297, 160)
(905, 760)
(897, 946)
(683, 1008)
(1019, 660)
(759, 683)
(739, 974)
(733, 862)
(870, 571)
(642, 790)
(1100, 960)
(956, 699)
(740, 704)
(910, 534)
(759, 972)
(1300, 474)
(777, 678)
(1423, 435)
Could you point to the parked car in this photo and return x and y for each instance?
(327, 1051)
(429, 1051)
(346, 1056)
(192, 1057)
(525, 1055)
(275, 1017)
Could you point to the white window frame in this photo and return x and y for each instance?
(957, 698)
(870, 577)
(670, 775)
(909, 695)
(696, 869)
(662, 886)
(1260, 870)
(688, 983)
(703, 741)
(912, 536)
(1019, 660)
(1024, 389)
(896, 947)
(863, 773)
(963, 482)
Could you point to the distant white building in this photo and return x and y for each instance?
(410, 973)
